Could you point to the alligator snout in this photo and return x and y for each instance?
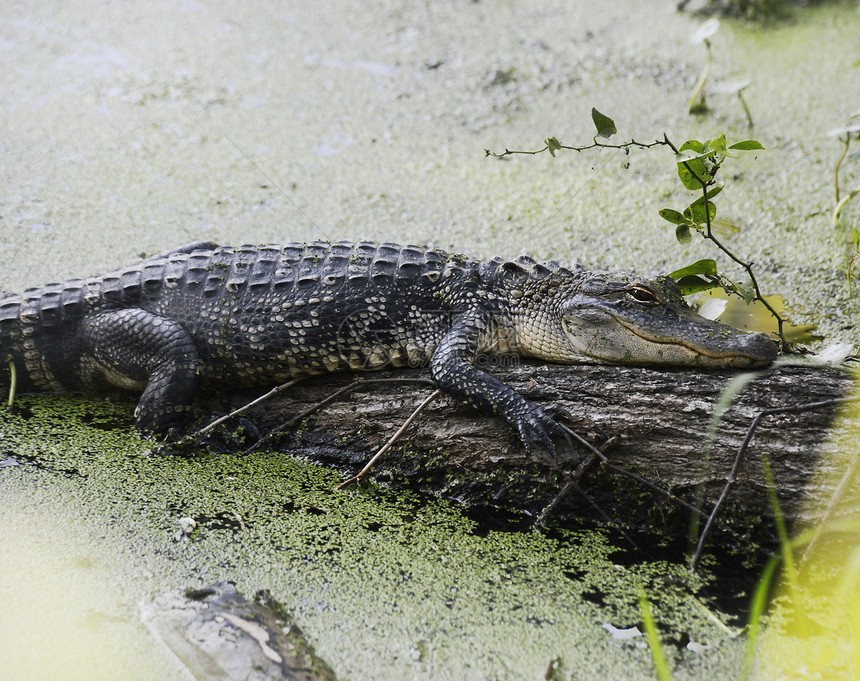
(758, 348)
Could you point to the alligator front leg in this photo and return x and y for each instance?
(134, 349)
(452, 368)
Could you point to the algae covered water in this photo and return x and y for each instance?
(386, 584)
(134, 128)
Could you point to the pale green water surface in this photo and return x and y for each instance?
(129, 128)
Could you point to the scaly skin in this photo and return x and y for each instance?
(208, 317)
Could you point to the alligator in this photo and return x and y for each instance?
(210, 317)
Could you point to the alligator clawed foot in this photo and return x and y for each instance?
(540, 427)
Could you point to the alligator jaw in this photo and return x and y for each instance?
(599, 336)
(647, 322)
(722, 348)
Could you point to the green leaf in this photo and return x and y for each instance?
(745, 292)
(747, 145)
(717, 145)
(694, 146)
(553, 145)
(696, 164)
(699, 276)
(695, 212)
(673, 216)
(604, 124)
(691, 285)
(707, 267)
(713, 191)
(682, 234)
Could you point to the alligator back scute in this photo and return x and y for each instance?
(152, 276)
(174, 271)
(195, 276)
(73, 299)
(262, 271)
(10, 327)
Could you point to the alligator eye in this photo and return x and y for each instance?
(642, 295)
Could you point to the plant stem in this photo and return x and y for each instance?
(13, 383)
(709, 234)
(746, 109)
(594, 145)
(697, 99)
(845, 199)
(836, 171)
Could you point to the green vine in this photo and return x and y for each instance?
(698, 164)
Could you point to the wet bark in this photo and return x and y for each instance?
(652, 423)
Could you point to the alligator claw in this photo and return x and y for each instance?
(538, 427)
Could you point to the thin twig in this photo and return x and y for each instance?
(585, 443)
(732, 478)
(191, 437)
(569, 484)
(656, 488)
(252, 403)
(13, 383)
(357, 383)
(605, 516)
(633, 476)
(594, 145)
(436, 393)
(307, 412)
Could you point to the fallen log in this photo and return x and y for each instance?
(651, 425)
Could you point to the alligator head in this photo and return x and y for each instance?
(605, 320)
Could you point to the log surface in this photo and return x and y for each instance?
(651, 422)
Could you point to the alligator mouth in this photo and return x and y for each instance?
(762, 354)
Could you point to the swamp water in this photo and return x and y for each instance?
(123, 123)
